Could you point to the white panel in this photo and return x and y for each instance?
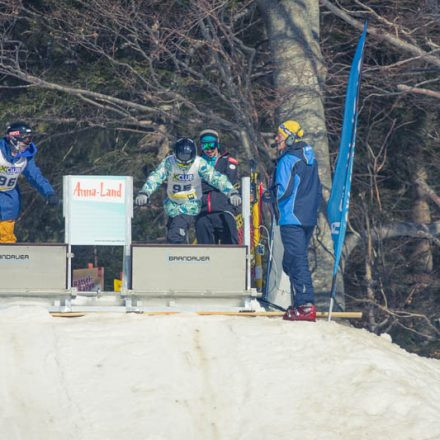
(32, 267)
(98, 209)
(189, 268)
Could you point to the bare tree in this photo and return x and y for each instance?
(393, 236)
(160, 68)
(168, 62)
(299, 78)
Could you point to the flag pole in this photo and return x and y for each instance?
(332, 297)
(338, 204)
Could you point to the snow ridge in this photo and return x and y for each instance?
(185, 376)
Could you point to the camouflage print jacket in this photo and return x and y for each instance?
(184, 184)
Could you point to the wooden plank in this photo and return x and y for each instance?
(67, 314)
(320, 315)
(349, 315)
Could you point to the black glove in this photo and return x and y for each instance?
(267, 196)
(141, 199)
(53, 200)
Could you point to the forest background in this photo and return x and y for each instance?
(109, 85)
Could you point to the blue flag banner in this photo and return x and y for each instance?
(338, 204)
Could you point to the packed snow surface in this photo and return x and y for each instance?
(116, 376)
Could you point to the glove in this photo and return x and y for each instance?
(267, 197)
(141, 199)
(235, 199)
(53, 200)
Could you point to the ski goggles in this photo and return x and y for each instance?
(209, 145)
(16, 136)
(184, 159)
(25, 140)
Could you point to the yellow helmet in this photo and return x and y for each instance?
(291, 131)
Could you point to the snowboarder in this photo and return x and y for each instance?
(184, 171)
(297, 195)
(216, 221)
(17, 153)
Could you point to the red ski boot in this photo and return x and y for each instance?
(306, 312)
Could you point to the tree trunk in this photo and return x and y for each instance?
(369, 276)
(421, 214)
(299, 74)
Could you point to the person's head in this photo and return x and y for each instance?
(185, 152)
(288, 133)
(209, 142)
(19, 136)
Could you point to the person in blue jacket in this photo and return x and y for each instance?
(298, 193)
(17, 152)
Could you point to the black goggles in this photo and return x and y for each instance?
(16, 137)
(25, 139)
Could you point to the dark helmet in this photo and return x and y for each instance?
(19, 132)
(185, 151)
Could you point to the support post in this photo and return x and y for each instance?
(66, 212)
(246, 213)
(126, 264)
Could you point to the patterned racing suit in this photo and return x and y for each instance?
(184, 192)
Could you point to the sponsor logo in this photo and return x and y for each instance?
(183, 177)
(335, 228)
(10, 170)
(84, 189)
(99, 191)
(188, 259)
(14, 257)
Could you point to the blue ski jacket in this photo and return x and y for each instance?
(10, 167)
(297, 186)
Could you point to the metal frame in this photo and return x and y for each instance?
(246, 213)
(130, 301)
(126, 258)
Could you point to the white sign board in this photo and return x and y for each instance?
(98, 209)
(189, 268)
(31, 267)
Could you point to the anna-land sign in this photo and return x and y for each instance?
(98, 209)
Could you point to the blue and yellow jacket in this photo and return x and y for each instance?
(297, 186)
(10, 199)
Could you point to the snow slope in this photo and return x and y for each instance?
(192, 377)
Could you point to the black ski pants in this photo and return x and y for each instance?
(216, 227)
(177, 228)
